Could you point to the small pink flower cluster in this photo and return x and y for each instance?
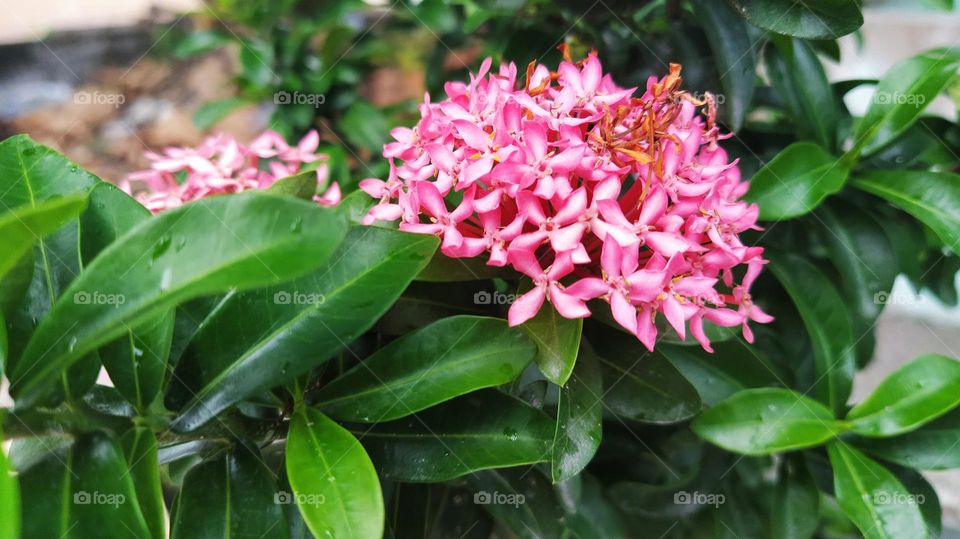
(221, 165)
(589, 191)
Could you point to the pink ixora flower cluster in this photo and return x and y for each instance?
(588, 190)
(221, 165)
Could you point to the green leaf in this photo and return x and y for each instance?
(558, 340)
(446, 359)
(811, 19)
(934, 446)
(799, 79)
(443, 268)
(9, 498)
(482, 430)
(765, 421)
(188, 252)
(232, 495)
(912, 395)
(34, 174)
(137, 361)
(254, 341)
(902, 95)
(23, 227)
(522, 500)
(364, 125)
(798, 503)
(212, 112)
(733, 53)
(579, 419)
(80, 493)
(638, 384)
(796, 181)
(933, 198)
(302, 185)
(333, 480)
(140, 449)
(872, 497)
(827, 321)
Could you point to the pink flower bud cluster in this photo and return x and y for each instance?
(587, 190)
(221, 165)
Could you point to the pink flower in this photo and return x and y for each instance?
(221, 165)
(631, 197)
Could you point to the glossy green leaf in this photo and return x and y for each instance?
(302, 185)
(827, 321)
(796, 181)
(34, 174)
(137, 361)
(579, 419)
(334, 483)
(9, 498)
(256, 340)
(933, 198)
(797, 503)
(140, 449)
(522, 500)
(765, 421)
(732, 53)
(910, 396)
(80, 493)
(934, 446)
(638, 384)
(872, 497)
(23, 227)
(558, 340)
(902, 95)
(811, 19)
(188, 252)
(482, 430)
(364, 125)
(232, 495)
(443, 268)
(800, 81)
(446, 359)
(925, 495)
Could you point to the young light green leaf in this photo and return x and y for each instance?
(446, 359)
(902, 95)
(23, 227)
(254, 341)
(327, 465)
(579, 419)
(811, 19)
(232, 242)
(34, 174)
(482, 430)
(796, 181)
(827, 321)
(733, 53)
(302, 185)
(232, 495)
(912, 395)
(872, 497)
(765, 421)
(933, 198)
(140, 449)
(558, 340)
(9, 497)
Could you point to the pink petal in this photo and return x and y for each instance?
(526, 306)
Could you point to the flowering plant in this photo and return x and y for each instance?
(491, 338)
